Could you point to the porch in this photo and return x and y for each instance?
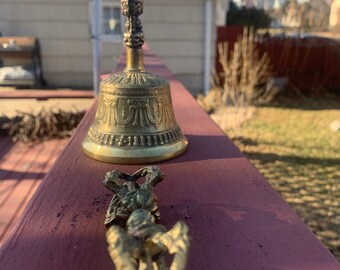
(236, 219)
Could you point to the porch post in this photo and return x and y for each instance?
(96, 43)
(207, 45)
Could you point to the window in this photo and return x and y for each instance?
(112, 24)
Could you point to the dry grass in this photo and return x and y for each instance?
(246, 75)
(246, 83)
(231, 117)
(45, 125)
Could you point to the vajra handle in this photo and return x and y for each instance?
(133, 36)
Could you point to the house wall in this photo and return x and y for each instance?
(174, 30)
(63, 29)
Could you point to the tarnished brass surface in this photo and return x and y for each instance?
(135, 240)
(135, 121)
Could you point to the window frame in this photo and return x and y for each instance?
(107, 37)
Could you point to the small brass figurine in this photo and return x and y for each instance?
(135, 121)
(130, 196)
(135, 241)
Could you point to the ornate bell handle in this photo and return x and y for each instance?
(133, 36)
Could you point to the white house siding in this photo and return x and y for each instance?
(173, 29)
(175, 32)
(62, 27)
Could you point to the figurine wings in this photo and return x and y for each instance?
(144, 246)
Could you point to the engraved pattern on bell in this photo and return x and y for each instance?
(133, 80)
(134, 112)
(135, 141)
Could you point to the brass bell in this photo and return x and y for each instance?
(135, 121)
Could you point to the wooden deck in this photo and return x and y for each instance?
(22, 168)
(236, 219)
(44, 94)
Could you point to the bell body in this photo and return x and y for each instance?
(135, 122)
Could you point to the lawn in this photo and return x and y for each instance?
(293, 147)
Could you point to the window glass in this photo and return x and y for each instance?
(107, 13)
(112, 25)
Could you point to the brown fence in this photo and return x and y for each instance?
(311, 64)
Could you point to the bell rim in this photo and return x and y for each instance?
(146, 155)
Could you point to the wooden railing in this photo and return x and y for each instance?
(236, 219)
